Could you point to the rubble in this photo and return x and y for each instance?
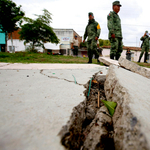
(92, 128)
(89, 127)
(134, 67)
(131, 92)
(108, 61)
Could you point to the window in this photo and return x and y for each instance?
(10, 48)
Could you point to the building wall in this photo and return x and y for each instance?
(2, 41)
(134, 57)
(65, 36)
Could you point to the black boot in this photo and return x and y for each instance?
(139, 58)
(90, 60)
(111, 56)
(145, 57)
(117, 57)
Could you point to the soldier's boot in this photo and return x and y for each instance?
(140, 58)
(145, 57)
(97, 57)
(117, 56)
(90, 60)
(111, 56)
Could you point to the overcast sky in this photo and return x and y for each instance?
(134, 15)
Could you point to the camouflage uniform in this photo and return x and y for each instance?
(114, 27)
(92, 31)
(145, 47)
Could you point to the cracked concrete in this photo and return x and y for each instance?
(34, 107)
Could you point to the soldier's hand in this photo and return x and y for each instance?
(83, 41)
(113, 35)
(96, 38)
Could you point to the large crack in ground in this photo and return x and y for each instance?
(90, 127)
(41, 71)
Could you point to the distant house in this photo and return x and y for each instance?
(2, 41)
(65, 36)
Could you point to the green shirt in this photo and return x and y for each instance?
(145, 40)
(114, 25)
(92, 30)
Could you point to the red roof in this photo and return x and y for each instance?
(15, 34)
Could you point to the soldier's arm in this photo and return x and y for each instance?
(85, 34)
(98, 30)
(110, 23)
(142, 38)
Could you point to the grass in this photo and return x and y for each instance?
(143, 64)
(26, 57)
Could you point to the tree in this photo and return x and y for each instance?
(83, 44)
(104, 42)
(10, 15)
(38, 31)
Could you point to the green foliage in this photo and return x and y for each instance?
(110, 106)
(104, 42)
(30, 49)
(83, 44)
(10, 15)
(38, 31)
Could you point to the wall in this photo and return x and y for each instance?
(65, 36)
(2, 40)
(106, 53)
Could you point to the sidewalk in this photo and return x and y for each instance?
(37, 100)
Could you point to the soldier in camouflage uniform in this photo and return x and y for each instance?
(115, 32)
(145, 46)
(93, 32)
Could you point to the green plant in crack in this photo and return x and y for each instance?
(110, 106)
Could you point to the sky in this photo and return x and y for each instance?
(73, 14)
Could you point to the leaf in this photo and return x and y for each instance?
(110, 106)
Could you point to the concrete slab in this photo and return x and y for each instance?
(36, 66)
(107, 61)
(35, 104)
(131, 120)
(134, 67)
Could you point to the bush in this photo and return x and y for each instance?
(31, 49)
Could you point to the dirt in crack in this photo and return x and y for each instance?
(89, 127)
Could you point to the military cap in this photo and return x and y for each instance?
(117, 3)
(146, 31)
(90, 13)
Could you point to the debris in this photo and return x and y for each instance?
(94, 81)
(98, 99)
(74, 79)
(89, 87)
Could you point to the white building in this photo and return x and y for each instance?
(65, 36)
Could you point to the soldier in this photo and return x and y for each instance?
(115, 33)
(93, 32)
(144, 46)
